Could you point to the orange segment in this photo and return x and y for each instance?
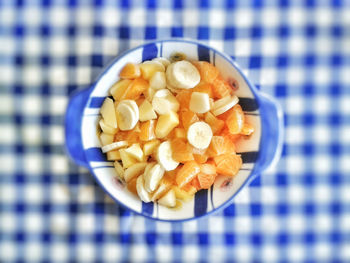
(182, 151)
(187, 118)
(247, 129)
(187, 173)
(206, 180)
(184, 97)
(130, 71)
(228, 164)
(208, 168)
(235, 120)
(221, 88)
(120, 136)
(147, 130)
(205, 88)
(195, 183)
(200, 158)
(221, 145)
(207, 71)
(135, 89)
(233, 137)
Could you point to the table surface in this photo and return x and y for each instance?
(296, 51)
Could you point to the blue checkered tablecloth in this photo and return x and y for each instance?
(52, 210)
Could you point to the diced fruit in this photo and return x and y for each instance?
(188, 117)
(127, 114)
(134, 171)
(164, 186)
(221, 88)
(106, 138)
(228, 164)
(200, 158)
(108, 113)
(153, 177)
(215, 123)
(141, 191)
(119, 88)
(164, 101)
(168, 199)
(113, 155)
(146, 111)
(182, 75)
(127, 159)
(130, 71)
(133, 136)
(199, 102)
(119, 169)
(182, 194)
(195, 183)
(147, 130)
(135, 89)
(162, 60)
(182, 151)
(235, 120)
(164, 156)
(132, 186)
(187, 173)
(150, 147)
(226, 105)
(221, 145)
(149, 93)
(184, 97)
(207, 71)
(158, 80)
(166, 123)
(206, 180)
(233, 137)
(189, 188)
(148, 68)
(208, 168)
(106, 128)
(135, 151)
(114, 146)
(247, 129)
(199, 135)
(180, 133)
(205, 88)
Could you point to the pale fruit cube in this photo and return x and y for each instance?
(168, 199)
(135, 151)
(158, 80)
(162, 60)
(113, 155)
(119, 88)
(146, 111)
(108, 113)
(148, 68)
(164, 101)
(106, 128)
(119, 170)
(150, 147)
(149, 93)
(127, 159)
(134, 171)
(106, 138)
(180, 133)
(166, 123)
(199, 102)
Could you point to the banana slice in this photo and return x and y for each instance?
(222, 105)
(164, 101)
(169, 199)
(199, 102)
(164, 156)
(119, 169)
(127, 115)
(153, 177)
(199, 135)
(162, 60)
(182, 74)
(114, 146)
(133, 171)
(141, 191)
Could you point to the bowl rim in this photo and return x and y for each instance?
(251, 86)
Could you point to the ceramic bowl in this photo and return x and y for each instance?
(259, 152)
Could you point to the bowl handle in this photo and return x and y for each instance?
(73, 118)
(272, 132)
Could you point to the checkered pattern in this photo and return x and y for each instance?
(52, 210)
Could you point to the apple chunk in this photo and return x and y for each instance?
(146, 111)
(108, 113)
(166, 123)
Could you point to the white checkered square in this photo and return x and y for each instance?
(33, 251)
(295, 134)
(59, 251)
(296, 252)
(137, 17)
(191, 253)
(296, 194)
(33, 16)
(321, 134)
(295, 164)
(59, 16)
(164, 17)
(59, 164)
(8, 251)
(10, 163)
(112, 252)
(85, 223)
(138, 252)
(190, 17)
(322, 164)
(296, 224)
(243, 252)
(59, 223)
(33, 46)
(85, 251)
(8, 222)
(164, 253)
(34, 193)
(8, 134)
(217, 18)
(270, 17)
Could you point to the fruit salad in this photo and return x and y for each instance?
(170, 126)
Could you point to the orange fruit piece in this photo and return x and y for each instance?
(182, 151)
(221, 145)
(233, 137)
(133, 136)
(205, 180)
(189, 188)
(200, 158)
(216, 124)
(130, 71)
(221, 88)
(228, 164)
(187, 118)
(207, 71)
(132, 186)
(235, 120)
(184, 97)
(187, 173)
(195, 183)
(205, 88)
(120, 136)
(247, 129)
(147, 130)
(208, 168)
(135, 89)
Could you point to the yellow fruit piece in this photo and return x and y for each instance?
(127, 159)
(146, 111)
(106, 128)
(119, 169)
(108, 113)
(132, 186)
(119, 88)
(135, 151)
(106, 138)
(182, 194)
(130, 71)
(166, 123)
(148, 68)
(150, 147)
(113, 155)
(215, 123)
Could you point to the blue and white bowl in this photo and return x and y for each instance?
(258, 152)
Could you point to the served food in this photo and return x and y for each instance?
(170, 126)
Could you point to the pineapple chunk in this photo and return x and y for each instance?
(106, 138)
(166, 123)
(182, 194)
(149, 93)
(158, 80)
(150, 147)
(135, 151)
(168, 199)
(148, 68)
(113, 155)
(119, 88)
(108, 113)
(127, 159)
(146, 111)
(134, 171)
(106, 128)
(119, 169)
(180, 133)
